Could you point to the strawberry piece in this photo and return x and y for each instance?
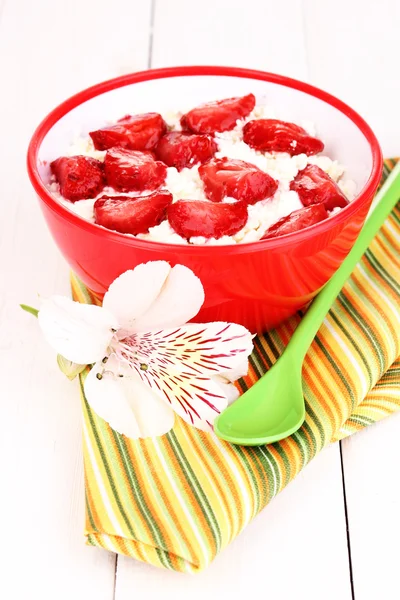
(132, 215)
(140, 132)
(182, 150)
(218, 116)
(271, 135)
(79, 177)
(237, 179)
(128, 170)
(297, 220)
(314, 186)
(197, 217)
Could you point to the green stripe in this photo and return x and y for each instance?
(286, 462)
(256, 364)
(360, 420)
(261, 351)
(89, 513)
(83, 290)
(264, 454)
(157, 493)
(395, 216)
(347, 334)
(254, 456)
(378, 268)
(313, 415)
(364, 327)
(106, 465)
(386, 235)
(257, 505)
(216, 460)
(139, 498)
(197, 490)
(337, 370)
(242, 385)
(313, 450)
(274, 342)
(297, 437)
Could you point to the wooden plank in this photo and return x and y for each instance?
(352, 53)
(371, 465)
(48, 50)
(289, 550)
(260, 34)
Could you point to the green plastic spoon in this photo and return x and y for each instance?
(274, 407)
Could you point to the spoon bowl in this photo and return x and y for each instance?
(273, 408)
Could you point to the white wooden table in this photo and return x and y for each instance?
(333, 533)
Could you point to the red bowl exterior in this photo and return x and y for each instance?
(258, 285)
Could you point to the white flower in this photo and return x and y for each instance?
(148, 362)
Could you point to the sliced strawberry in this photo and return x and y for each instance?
(271, 135)
(236, 178)
(182, 150)
(298, 219)
(314, 186)
(197, 217)
(140, 132)
(132, 215)
(218, 116)
(79, 177)
(128, 170)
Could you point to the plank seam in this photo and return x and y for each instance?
(151, 33)
(115, 576)
(347, 522)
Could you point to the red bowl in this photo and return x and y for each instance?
(257, 284)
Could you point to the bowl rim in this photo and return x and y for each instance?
(203, 70)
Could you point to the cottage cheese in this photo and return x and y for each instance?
(186, 184)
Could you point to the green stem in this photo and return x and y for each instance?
(30, 309)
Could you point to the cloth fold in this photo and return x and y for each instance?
(178, 500)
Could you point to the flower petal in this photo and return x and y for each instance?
(79, 332)
(226, 379)
(129, 406)
(229, 390)
(133, 292)
(240, 370)
(179, 301)
(193, 349)
(198, 400)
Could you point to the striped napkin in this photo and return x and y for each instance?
(177, 500)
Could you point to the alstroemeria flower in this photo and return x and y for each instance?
(148, 363)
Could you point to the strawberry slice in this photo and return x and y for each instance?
(140, 132)
(197, 217)
(132, 215)
(218, 116)
(79, 177)
(314, 186)
(182, 150)
(271, 135)
(128, 170)
(237, 179)
(297, 220)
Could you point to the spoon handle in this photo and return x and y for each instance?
(384, 202)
